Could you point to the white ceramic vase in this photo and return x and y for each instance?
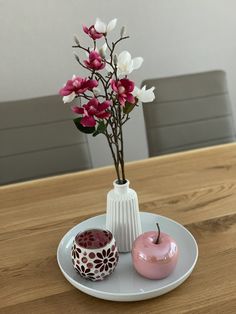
(122, 217)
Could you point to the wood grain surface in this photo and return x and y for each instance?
(196, 188)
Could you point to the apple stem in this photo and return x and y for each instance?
(159, 233)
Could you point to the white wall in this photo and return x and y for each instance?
(173, 36)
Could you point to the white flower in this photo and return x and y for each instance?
(143, 94)
(125, 64)
(69, 98)
(104, 28)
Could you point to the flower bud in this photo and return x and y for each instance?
(102, 51)
(76, 56)
(96, 91)
(76, 39)
(123, 31)
(115, 59)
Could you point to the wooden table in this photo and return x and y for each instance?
(196, 188)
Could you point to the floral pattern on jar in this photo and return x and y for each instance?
(94, 254)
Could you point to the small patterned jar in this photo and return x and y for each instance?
(94, 254)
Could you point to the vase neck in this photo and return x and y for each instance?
(121, 188)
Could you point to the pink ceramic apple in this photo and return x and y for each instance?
(154, 254)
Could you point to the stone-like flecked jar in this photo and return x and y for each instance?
(94, 254)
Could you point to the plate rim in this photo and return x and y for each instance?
(130, 294)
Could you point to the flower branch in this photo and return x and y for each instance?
(106, 112)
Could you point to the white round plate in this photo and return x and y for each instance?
(125, 284)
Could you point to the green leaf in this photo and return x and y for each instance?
(128, 107)
(82, 128)
(101, 128)
(95, 133)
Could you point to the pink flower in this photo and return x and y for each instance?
(93, 109)
(91, 31)
(75, 86)
(78, 85)
(123, 88)
(95, 61)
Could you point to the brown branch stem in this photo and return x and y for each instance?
(159, 233)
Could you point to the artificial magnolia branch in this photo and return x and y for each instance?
(105, 112)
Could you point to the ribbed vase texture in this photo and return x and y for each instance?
(123, 218)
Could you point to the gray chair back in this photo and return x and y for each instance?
(38, 138)
(189, 111)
